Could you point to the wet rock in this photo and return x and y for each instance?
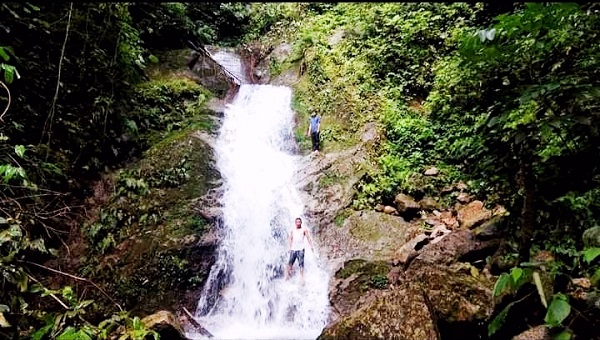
(433, 171)
(591, 237)
(455, 294)
(499, 211)
(432, 220)
(281, 52)
(458, 245)
(438, 232)
(536, 333)
(405, 203)
(390, 210)
(417, 300)
(463, 197)
(166, 325)
(399, 314)
(349, 292)
(582, 282)
(428, 203)
(374, 236)
(490, 229)
(408, 250)
(447, 189)
(473, 214)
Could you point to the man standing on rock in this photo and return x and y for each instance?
(314, 127)
(296, 247)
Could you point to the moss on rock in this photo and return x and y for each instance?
(398, 314)
(355, 282)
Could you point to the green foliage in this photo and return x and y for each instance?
(79, 73)
(486, 85)
(72, 325)
(341, 217)
(379, 281)
(558, 310)
(224, 22)
(590, 254)
(262, 16)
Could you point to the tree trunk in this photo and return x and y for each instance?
(527, 185)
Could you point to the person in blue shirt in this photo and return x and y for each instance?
(314, 127)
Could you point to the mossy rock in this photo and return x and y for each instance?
(379, 234)
(154, 264)
(397, 314)
(591, 237)
(457, 292)
(356, 280)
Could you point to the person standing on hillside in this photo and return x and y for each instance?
(314, 127)
(296, 247)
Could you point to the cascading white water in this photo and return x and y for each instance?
(246, 296)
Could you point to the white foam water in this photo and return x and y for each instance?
(246, 295)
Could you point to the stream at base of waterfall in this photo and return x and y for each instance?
(246, 295)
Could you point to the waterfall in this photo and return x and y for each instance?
(246, 295)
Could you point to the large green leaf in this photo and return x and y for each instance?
(590, 254)
(498, 321)
(503, 284)
(558, 310)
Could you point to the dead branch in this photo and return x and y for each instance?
(196, 324)
(51, 294)
(60, 62)
(75, 278)
(8, 104)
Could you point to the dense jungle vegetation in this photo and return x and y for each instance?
(504, 97)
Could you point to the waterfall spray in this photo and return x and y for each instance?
(245, 295)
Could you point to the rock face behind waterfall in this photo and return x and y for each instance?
(432, 285)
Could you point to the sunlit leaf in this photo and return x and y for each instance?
(590, 254)
(503, 284)
(20, 150)
(558, 311)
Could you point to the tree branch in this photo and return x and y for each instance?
(8, 104)
(51, 294)
(62, 56)
(75, 278)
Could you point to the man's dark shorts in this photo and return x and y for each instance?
(297, 254)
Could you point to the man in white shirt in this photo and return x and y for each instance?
(296, 247)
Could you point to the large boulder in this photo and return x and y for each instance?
(428, 203)
(408, 250)
(473, 214)
(373, 235)
(165, 324)
(457, 292)
(406, 203)
(458, 246)
(396, 314)
(354, 283)
(442, 284)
